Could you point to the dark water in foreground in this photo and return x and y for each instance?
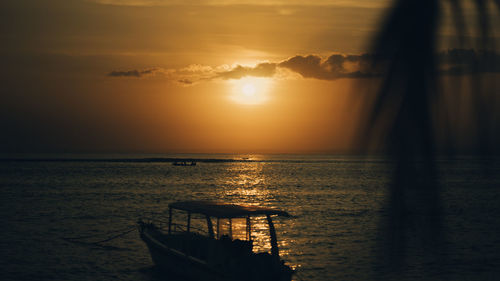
(337, 202)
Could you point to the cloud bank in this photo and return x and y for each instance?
(336, 66)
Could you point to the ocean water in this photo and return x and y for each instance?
(337, 204)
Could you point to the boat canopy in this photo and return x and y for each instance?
(225, 210)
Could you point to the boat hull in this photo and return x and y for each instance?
(195, 257)
(178, 263)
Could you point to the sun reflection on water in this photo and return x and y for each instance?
(248, 186)
(248, 183)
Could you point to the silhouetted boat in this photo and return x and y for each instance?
(213, 256)
(184, 163)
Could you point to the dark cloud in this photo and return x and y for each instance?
(469, 61)
(334, 67)
(309, 67)
(133, 73)
(185, 81)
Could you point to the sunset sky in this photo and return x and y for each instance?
(173, 76)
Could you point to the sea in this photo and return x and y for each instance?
(73, 217)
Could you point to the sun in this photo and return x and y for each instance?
(250, 90)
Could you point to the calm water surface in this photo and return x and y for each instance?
(337, 203)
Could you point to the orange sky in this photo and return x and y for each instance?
(183, 76)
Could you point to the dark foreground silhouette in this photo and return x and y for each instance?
(403, 119)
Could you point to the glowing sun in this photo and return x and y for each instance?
(250, 90)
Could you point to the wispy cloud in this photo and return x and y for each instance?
(336, 66)
(343, 3)
(134, 72)
(468, 61)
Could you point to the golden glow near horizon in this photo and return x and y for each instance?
(167, 76)
(153, 76)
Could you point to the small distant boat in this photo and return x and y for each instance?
(213, 256)
(183, 163)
